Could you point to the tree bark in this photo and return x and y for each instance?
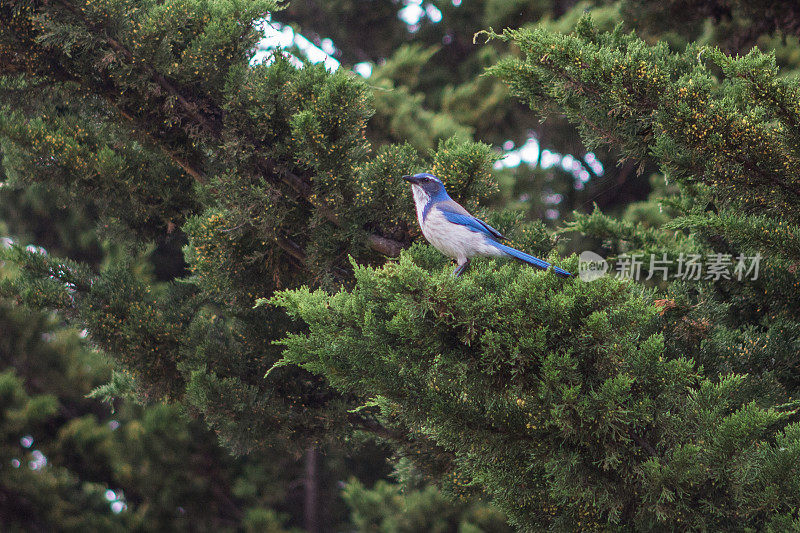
(311, 505)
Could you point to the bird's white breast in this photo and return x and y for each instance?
(454, 240)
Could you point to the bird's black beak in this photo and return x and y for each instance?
(411, 179)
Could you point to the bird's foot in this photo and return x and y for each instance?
(460, 269)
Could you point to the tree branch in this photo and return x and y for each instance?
(382, 245)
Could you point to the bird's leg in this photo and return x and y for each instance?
(460, 268)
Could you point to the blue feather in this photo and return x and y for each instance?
(535, 261)
(469, 221)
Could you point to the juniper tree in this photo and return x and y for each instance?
(70, 464)
(429, 85)
(65, 132)
(265, 168)
(608, 404)
(573, 405)
(434, 60)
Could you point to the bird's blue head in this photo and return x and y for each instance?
(429, 183)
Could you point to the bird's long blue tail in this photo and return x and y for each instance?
(535, 261)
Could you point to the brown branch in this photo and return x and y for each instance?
(291, 248)
(388, 247)
(189, 108)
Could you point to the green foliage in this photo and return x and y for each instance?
(735, 25)
(81, 159)
(400, 114)
(62, 453)
(54, 496)
(386, 508)
(572, 405)
(732, 135)
(573, 410)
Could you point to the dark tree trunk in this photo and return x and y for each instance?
(311, 505)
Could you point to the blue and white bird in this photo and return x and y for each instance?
(457, 234)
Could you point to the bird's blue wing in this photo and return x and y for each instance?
(458, 215)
